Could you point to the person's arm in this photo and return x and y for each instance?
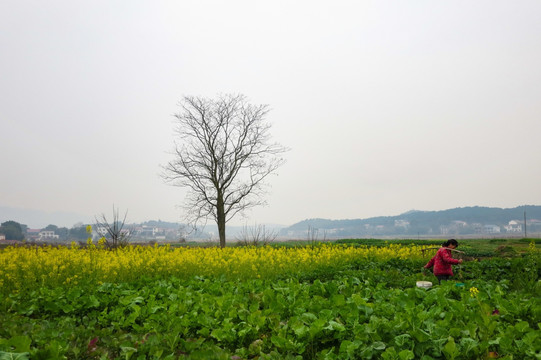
(430, 263)
(446, 257)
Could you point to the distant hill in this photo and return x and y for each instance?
(465, 221)
(474, 220)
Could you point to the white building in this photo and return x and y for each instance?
(492, 229)
(513, 226)
(402, 223)
(47, 234)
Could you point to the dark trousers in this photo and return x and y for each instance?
(443, 278)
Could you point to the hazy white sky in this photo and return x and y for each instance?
(387, 106)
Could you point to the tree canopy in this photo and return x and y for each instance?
(12, 230)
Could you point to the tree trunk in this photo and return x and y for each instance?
(220, 220)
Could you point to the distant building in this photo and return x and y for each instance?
(148, 232)
(47, 235)
(32, 234)
(477, 228)
(513, 226)
(455, 227)
(101, 231)
(492, 229)
(444, 230)
(402, 223)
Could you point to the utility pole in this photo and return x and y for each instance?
(525, 232)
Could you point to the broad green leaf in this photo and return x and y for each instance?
(420, 335)
(20, 344)
(455, 332)
(532, 338)
(316, 327)
(389, 354)
(93, 301)
(68, 308)
(308, 317)
(299, 329)
(128, 350)
(358, 299)
(344, 346)
(279, 341)
(522, 326)
(73, 294)
(406, 355)
(13, 356)
(338, 300)
(400, 340)
(333, 325)
(467, 345)
(450, 349)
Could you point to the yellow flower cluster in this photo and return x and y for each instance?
(532, 249)
(474, 291)
(29, 267)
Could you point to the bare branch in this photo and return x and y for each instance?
(114, 233)
(256, 235)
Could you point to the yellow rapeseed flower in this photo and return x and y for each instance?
(474, 291)
(24, 267)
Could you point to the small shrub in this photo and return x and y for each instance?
(506, 251)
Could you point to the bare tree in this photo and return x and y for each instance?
(256, 235)
(114, 233)
(223, 157)
(313, 234)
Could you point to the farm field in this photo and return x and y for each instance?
(318, 301)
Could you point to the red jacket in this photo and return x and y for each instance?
(442, 262)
